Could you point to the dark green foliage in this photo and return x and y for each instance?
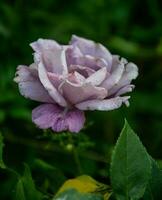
(134, 175)
(25, 187)
(2, 165)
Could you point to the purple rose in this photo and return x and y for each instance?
(69, 79)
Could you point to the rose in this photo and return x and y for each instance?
(72, 78)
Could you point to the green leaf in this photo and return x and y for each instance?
(51, 177)
(154, 188)
(25, 188)
(2, 165)
(29, 186)
(20, 191)
(130, 167)
(72, 194)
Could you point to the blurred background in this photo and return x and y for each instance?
(132, 29)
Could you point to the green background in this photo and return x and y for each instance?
(132, 29)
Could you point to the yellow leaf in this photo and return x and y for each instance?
(86, 184)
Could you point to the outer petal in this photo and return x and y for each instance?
(53, 55)
(107, 104)
(30, 85)
(73, 121)
(59, 119)
(130, 73)
(45, 115)
(72, 52)
(43, 44)
(53, 92)
(125, 89)
(88, 47)
(54, 61)
(114, 77)
(75, 93)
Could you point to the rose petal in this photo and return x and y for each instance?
(97, 77)
(59, 119)
(30, 85)
(88, 47)
(76, 93)
(75, 57)
(85, 71)
(114, 77)
(45, 115)
(53, 55)
(107, 104)
(72, 52)
(76, 78)
(43, 44)
(91, 62)
(58, 98)
(55, 79)
(125, 89)
(55, 61)
(73, 121)
(130, 73)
